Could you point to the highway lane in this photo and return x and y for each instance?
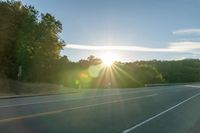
(103, 111)
(80, 94)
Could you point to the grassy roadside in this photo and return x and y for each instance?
(11, 88)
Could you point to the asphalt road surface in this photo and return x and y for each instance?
(163, 109)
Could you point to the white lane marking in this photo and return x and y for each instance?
(161, 113)
(195, 86)
(74, 108)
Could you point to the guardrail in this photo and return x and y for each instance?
(170, 84)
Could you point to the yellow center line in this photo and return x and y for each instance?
(70, 109)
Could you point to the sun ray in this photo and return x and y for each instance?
(125, 73)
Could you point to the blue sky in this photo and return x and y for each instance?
(149, 29)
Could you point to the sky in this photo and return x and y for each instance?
(130, 29)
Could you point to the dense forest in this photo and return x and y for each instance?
(30, 48)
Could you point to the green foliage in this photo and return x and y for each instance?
(187, 70)
(135, 74)
(90, 73)
(29, 42)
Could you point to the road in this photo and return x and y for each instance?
(162, 109)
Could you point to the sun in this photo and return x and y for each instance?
(107, 62)
(108, 59)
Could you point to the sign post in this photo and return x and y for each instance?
(19, 72)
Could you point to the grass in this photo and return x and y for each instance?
(12, 87)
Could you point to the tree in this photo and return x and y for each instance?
(27, 42)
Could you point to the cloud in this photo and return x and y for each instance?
(187, 32)
(116, 47)
(183, 46)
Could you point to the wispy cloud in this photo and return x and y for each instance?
(183, 46)
(116, 47)
(187, 32)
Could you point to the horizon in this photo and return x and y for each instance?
(133, 30)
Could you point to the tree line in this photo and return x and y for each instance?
(30, 48)
(130, 74)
